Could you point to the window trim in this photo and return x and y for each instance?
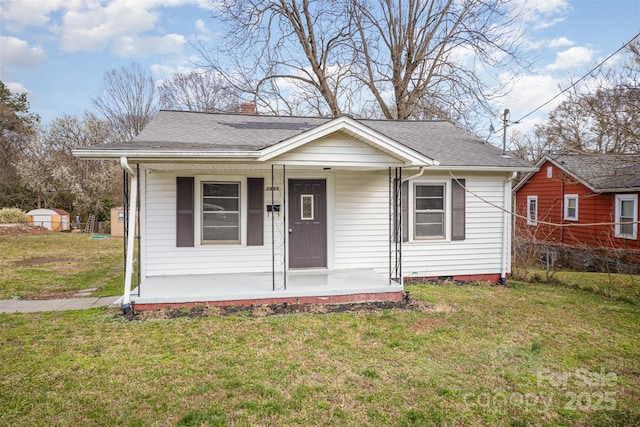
(446, 211)
(198, 197)
(532, 221)
(568, 197)
(617, 228)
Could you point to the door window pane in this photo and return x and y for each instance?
(306, 201)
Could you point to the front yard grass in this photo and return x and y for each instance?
(623, 287)
(56, 264)
(530, 354)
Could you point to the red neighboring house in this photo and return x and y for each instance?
(581, 199)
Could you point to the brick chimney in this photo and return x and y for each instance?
(248, 107)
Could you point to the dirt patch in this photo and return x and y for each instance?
(38, 261)
(262, 310)
(20, 229)
(427, 324)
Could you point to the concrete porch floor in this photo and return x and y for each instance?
(303, 286)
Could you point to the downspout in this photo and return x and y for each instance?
(506, 213)
(418, 175)
(128, 274)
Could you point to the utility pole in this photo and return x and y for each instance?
(505, 123)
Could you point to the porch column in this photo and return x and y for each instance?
(279, 230)
(131, 235)
(395, 226)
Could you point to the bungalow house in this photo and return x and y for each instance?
(238, 208)
(581, 200)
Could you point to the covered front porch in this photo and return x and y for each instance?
(302, 287)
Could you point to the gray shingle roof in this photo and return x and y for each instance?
(602, 171)
(182, 130)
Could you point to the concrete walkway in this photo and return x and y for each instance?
(32, 306)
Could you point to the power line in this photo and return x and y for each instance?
(581, 78)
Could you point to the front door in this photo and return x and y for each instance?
(307, 223)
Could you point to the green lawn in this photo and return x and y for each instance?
(623, 287)
(531, 354)
(528, 354)
(52, 264)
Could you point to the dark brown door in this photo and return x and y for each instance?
(307, 223)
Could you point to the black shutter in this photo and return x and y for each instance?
(255, 209)
(184, 212)
(405, 211)
(458, 207)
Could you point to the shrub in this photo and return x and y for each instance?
(13, 216)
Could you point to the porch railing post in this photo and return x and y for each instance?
(273, 232)
(391, 237)
(284, 225)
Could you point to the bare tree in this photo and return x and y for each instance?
(17, 127)
(413, 58)
(284, 50)
(606, 120)
(128, 101)
(430, 54)
(53, 173)
(198, 91)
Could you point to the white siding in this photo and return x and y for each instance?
(335, 150)
(480, 252)
(164, 258)
(361, 220)
(358, 219)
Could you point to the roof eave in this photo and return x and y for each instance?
(484, 168)
(617, 190)
(88, 154)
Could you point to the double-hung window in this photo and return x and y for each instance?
(571, 207)
(221, 212)
(429, 211)
(626, 211)
(532, 210)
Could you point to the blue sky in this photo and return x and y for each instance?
(58, 50)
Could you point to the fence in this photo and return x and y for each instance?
(612, 272)
(43, 227)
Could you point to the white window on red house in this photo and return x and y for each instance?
(549, 171)
(571, 207)
(532, 210)
(626, 211)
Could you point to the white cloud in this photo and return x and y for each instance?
(20, 14)
(560, 42)
(15, 54)
(16, 87)
(528, 93)
(201, 26)
(573, 57)
(126, 46)
(94, 26)
(540, 14)
(168, 69)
